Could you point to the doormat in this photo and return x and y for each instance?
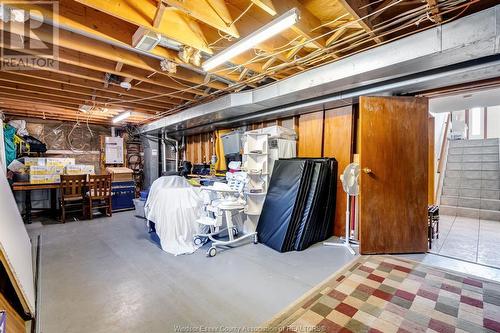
(388, 294)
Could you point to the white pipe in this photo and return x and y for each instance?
(163, 153)
(176, 150)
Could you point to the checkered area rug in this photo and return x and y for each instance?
(388, 294)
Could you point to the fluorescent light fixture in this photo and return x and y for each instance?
(121, 116)
(269, 30)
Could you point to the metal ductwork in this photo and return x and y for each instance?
(461, 51)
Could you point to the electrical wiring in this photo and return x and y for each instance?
(405, 20)
(227, 37)
(351, 23)
(327, 49)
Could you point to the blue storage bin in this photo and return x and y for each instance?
(122, 195)
(144, 195)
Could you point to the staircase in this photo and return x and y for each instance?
(471, 185)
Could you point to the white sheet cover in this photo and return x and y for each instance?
(174, 206)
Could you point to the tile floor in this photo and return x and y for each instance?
(469, 239)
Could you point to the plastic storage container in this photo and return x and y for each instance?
(139, 208)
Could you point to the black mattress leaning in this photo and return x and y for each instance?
(300, 204)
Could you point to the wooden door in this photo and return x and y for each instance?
(394, 178)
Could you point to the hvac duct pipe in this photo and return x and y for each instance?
(176, 145)
(163, 153)
(458, 73)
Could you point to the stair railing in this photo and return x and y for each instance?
(442, 160)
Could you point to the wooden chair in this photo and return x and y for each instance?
(72, 194)
(99, 194)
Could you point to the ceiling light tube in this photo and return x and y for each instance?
(121, 116)
(269, 30)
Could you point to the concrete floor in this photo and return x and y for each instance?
(469, 239)
(108, 275)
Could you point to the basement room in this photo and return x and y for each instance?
(249, 166)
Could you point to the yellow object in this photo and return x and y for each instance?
(34, 161)
(80, 169)
(59, 162)
(219, 150)
(46, 170)
(44, 179)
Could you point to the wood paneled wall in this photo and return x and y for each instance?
(311, 134)
(338, 143)
(320, 134)
(200, 147)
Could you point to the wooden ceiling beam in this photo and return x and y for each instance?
(88, 92)
(18, 104)
(71, 41)
(308, 24)
(57, 79)
(211, 12)
(34, 109)
(250, 22)
(64, 114)
(434, 9)
(160, 10)
(175, 24)
(359, 9)
(48, 115)
(266, 5)
(94, 97)
(87, 21)
(335, 36)
(59, 100)
(98, 76)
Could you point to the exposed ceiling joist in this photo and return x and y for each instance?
(308, 25)
(87, 94)
(57, 79)
(359, 9)
(97, 76)
(266, 5)
(92, 47)
(335, 36)
(212, 12)
(24, 93)
(175, 24)
(433, 5)
(159, 15)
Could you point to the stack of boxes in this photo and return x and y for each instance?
(80, 169)
(49, 170)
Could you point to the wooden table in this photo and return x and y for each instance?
(27, 187)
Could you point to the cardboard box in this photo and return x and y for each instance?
(80, 169)
(59, 162)
(46, 170)
(34, 161)
(45, 179)
(120, 174)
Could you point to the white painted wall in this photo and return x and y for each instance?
(493, 122)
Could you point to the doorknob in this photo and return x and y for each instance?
(367, 170)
